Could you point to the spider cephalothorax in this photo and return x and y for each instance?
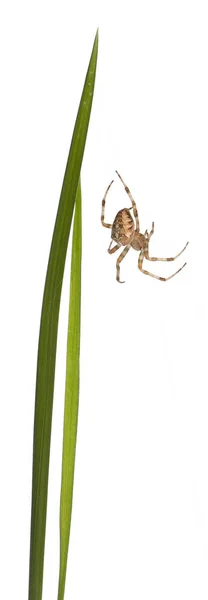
(125, 232)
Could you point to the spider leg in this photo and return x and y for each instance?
(103, 209)
(119, 259)
(146, 254)
(140, 263)
(132, 201)
(152, 231)
(112, 250)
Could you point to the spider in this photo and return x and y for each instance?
(124, 234)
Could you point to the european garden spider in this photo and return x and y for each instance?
(124, 234)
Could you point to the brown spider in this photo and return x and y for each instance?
(124, 234)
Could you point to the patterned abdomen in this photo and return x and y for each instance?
(123, 227)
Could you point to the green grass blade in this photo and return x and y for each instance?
(48, 334)
(71, 396)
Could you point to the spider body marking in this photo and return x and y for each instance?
(123, 227)
(125, 232)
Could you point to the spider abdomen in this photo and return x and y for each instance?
(123, 227)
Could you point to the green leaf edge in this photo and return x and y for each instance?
(71, 395)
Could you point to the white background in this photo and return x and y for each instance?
(140, 516)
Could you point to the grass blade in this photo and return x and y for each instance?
(71, 396)
(48, 334)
